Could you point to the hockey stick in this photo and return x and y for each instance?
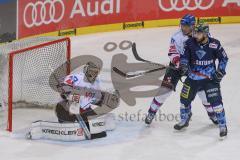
(137, 57)
(79, 117)
(136, 74)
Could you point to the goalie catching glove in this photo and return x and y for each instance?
(109, 99)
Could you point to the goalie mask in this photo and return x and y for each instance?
(91, 71)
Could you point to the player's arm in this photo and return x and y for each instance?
(184, 60)
(223, 60)
(66, 86)
(173, 54)
(98, 96)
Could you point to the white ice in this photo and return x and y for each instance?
(132, 140)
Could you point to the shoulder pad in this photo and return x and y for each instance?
(214, 43)
(177, 35)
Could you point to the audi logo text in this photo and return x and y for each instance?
(48, 12)
(180, 5)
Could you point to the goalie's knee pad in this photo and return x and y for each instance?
(63, 114)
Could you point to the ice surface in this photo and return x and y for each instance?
(132, 140)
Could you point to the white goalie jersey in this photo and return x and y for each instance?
(79, 80)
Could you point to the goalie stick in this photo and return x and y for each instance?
(79, 117)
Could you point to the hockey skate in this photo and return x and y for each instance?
(214, 120)
(150, 117)
(28, 135)
(184, 122)
(223, 132)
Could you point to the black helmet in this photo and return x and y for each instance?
(202, 27)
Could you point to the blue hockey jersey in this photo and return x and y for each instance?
(201, 59)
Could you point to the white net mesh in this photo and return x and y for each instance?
(32, 60)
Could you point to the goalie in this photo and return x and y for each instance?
(80, 93)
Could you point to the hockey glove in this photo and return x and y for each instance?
(176, 61)
(64, 90)
(184, 69)
(218, 75)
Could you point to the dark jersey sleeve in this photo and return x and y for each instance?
(222, 58)
(185, 55)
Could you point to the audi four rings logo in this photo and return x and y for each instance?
(46, 15)
(186, 5)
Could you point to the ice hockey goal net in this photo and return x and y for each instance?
(24, 76)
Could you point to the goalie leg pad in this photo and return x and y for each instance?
(55, 131)
(104, 123)
(70, 132)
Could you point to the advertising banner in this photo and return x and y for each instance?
(42, 16)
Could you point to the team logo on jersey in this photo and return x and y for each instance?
(200, 53)
(213, 45)
(203, 63)
(71, 80)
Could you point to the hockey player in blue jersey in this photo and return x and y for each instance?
(172, 75)
(197, 62)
